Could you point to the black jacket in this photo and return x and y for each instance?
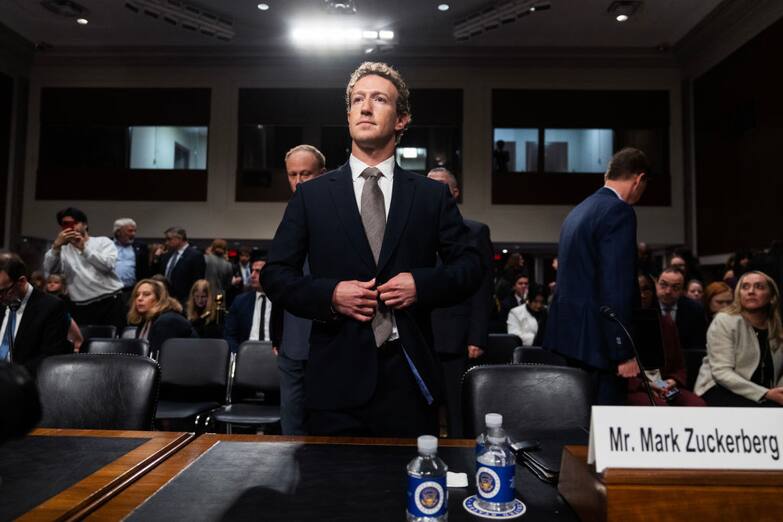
(189, 269)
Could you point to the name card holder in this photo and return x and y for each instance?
(628, 495)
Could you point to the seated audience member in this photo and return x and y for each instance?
(88, 265)
(673, 372)
(737, 265)
(56, 286)
(219, 270)
(695, 290)
(687, 315)
(201, 311)
(38, 280)
(684, 260)
(520, 286)
(744, 362)
(34, 325)
(717, 296)
(528, 321)
(157, 315)
(250, 317)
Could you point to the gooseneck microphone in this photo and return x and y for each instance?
(607, 312)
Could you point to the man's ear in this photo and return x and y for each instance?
(402, 121)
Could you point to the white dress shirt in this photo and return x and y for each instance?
(89, 273)
(385, 183)
(255, 326)
(19, 314)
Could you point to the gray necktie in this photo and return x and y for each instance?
(374, 221)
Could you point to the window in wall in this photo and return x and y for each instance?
(515, 150)
(180, 148)
(577, 150)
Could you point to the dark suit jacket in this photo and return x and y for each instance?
(142, 260)
(597, 266)
(189, 269)
(691, 324)
(455, 327)
(168, 325)
(43, 331)
(322, 222)
(239, 321)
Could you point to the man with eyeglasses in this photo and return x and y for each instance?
(34, 324)
(686, 313)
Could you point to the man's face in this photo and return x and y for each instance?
(68, 223)
(372, 118)
(669, 288)
(11, 290)
(174, 242)
(301, 166)
(243, 259)
(255, 275)
(444, 178)
(126, 234)
(521, 285)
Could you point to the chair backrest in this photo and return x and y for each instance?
(693, 361)
(129, 332)
(256, 368)
(126, 346)
(92, 331)
(537, 355)
(194, 369)
(531, 398)
(500, 348)
(98, 391)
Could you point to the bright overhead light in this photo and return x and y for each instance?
(386, 35)
(340, 36)
(82, 21)
(621, 18)
(369, 50)
(370, 35)
(263, 7)
(443, 7)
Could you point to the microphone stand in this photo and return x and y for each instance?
(608, 312)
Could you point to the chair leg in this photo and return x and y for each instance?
(228, 428)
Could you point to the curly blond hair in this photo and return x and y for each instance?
(163, 302)
(388, 72)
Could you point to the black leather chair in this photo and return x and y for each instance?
(532, 398)
(537, 355)
(194, 375)
(105, 331)
(129, 332)
(693, 361)
(126, 346)
(500, 349)
(98, 391)
(255, 371)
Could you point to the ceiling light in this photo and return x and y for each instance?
(263, 7)
(369, 50)
(370, 35)
(623, 10)
(338, 35)
(386, 35)
(443, 7)
(621, 18)
(82, 21)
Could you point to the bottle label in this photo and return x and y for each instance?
(427, 496)
(495, 483)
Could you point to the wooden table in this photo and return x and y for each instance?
(157, 479)
(84, 496)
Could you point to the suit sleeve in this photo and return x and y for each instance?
(283, 278)
(481, 302)
(616, 237)
(54, 339)
(460, 274)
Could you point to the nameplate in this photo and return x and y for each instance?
(686, 438)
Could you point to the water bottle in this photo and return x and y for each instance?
(428, 495)
(495, 469)
(491, 420)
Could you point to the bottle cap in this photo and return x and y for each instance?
(427, 444)
(493, 420)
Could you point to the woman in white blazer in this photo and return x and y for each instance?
(744, 362)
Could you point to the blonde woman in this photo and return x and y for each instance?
(157, 315)
(201, 311)
(744, 362)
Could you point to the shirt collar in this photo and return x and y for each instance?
(357, 167)
(616, 193)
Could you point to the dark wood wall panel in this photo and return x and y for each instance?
(6, 112)
(738, 122)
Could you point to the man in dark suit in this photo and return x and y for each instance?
(687, 314)
(461, 331)
(34, 324)
(597, 267)
(251, 316)
(520, 287)
(182, 264)
(372, 233)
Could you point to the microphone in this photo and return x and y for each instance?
(607, 312)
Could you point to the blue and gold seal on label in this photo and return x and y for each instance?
(427, 497)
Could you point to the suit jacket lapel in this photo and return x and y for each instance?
(402, 199)
(341, 188)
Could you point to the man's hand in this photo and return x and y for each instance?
(78, 242)
(356, 299)
(275, 350)
(628, 369)
(236, 280)
(64, 237)
(775, 395)
(399, 291)
(474, 352)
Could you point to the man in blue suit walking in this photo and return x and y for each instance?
(597, 267)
